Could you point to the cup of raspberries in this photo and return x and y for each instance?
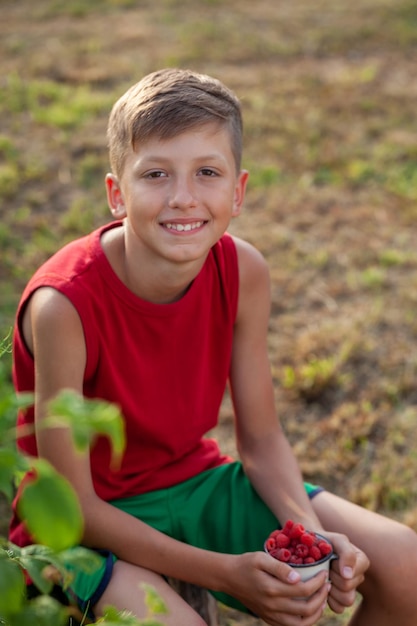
(302, 549)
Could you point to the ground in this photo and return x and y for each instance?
(328, 93)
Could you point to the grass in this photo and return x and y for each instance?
(328, 94)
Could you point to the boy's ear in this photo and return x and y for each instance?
(115, 197)
(240, 190)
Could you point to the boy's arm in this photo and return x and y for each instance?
(264, 449)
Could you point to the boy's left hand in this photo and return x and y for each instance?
(346, 573)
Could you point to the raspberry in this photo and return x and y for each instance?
(324, 547)
(270, 544)
(282, 541)
(283, 555)
(296, 531)
(314, 552)
(308, 560)
(287, 526)
(301, 550)
(308, 539)
(296, 560)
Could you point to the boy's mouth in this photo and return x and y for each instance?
(183, 227)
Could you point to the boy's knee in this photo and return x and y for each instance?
(393, 577)
(402, 547)
(406, 546)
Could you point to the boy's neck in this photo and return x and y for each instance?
(160, 282)
(161, 286)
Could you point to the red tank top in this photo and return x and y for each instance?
(165, 365)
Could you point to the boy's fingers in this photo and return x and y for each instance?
(281, 570)
(353, 564)
(287, 574)
(351, 560)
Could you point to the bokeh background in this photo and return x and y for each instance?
(328, 90)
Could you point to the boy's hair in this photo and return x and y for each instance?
(166, 103)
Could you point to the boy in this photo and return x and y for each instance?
(157, 312)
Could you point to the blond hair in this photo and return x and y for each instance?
(166, 103)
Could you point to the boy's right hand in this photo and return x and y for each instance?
(274, 592)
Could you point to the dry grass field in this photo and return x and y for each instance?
(328, 91)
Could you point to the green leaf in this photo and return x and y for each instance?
(10, 549)
(9, 461)
(79, 557)
(42, 611)
(10, 403)
(35, 571)
(34, 559)
(51, 509)
(12, 586)
(6, 343)
(87, 419)
(113, 617)
(153, 600)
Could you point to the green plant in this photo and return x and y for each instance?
(313, 377)
(58, 531)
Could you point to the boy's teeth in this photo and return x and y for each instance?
(181, 227)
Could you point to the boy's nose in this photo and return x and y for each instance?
(182, 195)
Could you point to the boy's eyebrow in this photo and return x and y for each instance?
(155, 160)
(160, 158)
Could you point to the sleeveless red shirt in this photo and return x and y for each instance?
(165, 365)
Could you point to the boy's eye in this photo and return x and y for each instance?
(207, 171)
(155, 174)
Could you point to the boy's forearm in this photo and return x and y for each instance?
(274, 472)
(136, 542)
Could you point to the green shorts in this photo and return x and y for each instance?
(217, 510)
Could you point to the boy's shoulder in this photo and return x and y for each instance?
(249, 257)
(254, 276)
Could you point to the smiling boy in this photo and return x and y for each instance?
(158, 311)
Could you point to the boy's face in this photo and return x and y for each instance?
(179, 194)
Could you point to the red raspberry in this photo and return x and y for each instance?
(301, 550)
(308, 560)
(296, 560)
(324, 547)
(296, 531)
(282, 541)
(308, 539)
(315, 553)
(287, 526)
(270, 544)
(283, 555)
